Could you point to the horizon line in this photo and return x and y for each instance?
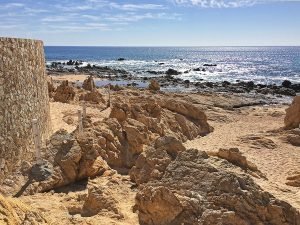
(170, 46)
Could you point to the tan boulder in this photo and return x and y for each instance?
(292, 117)
(64, 93)
(69, 159)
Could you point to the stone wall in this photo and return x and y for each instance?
(23, 97)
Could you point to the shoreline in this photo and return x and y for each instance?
(168, 80)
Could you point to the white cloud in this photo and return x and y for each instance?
(227, 3)
(11, 5)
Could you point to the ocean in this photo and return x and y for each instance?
(265, 65)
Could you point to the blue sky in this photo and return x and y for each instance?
(153, 23)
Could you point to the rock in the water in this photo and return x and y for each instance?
(286, 84)
(292, 118)
(172, 72)
(197, 189)
(89, 84)
(64, 93)
(93, 96)
(154, 85)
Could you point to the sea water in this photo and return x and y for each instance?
(268, 65)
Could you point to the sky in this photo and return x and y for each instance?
(153, 23)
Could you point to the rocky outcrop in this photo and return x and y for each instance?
(198, 189)
(234, 156)
(164, 116)
(68, 159)
(14, 212)
(100, 199)
(152, 163)
(154, 85)
(292, 118)
(64, 93)
(89, 84)
(93, 97)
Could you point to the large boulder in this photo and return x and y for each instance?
(292, 118)
(198, 189)
(69, 159)
(64, 93)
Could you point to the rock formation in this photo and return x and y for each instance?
(152, 163)
(68, 159)
(14, 212)
(89, 84)
(154, 85)
(292, 118)
(164, 116)
(100, 199)
(93, 96)
(198, 189)
(64, 93)
(234, 156)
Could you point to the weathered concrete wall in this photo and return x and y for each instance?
(23, 97)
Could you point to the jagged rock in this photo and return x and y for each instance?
(93, 96)
(89, 84)
(197, 189)
(234, 156)
(164, 117)
(294, 180)
(68, 159)
(13, 211)
(292, 118)
(64, 93)
(154, 85)
(152, 163)
(100, 199)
